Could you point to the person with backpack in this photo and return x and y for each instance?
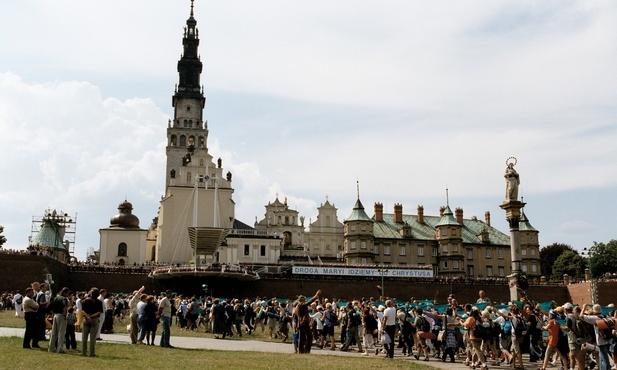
(577, 335)
(518, 331)
(330, 322)
(423, 328)
(354, 326)
(477, 332)
(604, 337)
(554, 332)
(505, 335)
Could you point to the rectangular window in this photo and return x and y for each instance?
(445, 264)
(454, 247)
(376, 249)
(363, 244)
(444, 232)
(353, 227)
(247, 249)
(488, 252)
(455, 264)
(469, 270)
(364, 261)
(420, 251)
(352, 245)
(435, 251)
(262, 250)
(363, 228)
(386, 250)
(524, 251)
(524, 267)
(402, 251)
(469, 254)
(534, 267)
(489, 271)
(533, 251)
(502, 271)
(500, 253)
(445, 248)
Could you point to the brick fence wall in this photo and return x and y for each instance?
(18, 271)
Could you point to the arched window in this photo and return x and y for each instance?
(173, 140)
(122, 249)
(182, 140)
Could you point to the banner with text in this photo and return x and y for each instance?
(371, 272)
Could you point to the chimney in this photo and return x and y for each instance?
(421, 214)
(398, 213)
(378, 212)
(487, 218)
(441, 209)
(458, 213)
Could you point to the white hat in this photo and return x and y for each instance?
(567, 306)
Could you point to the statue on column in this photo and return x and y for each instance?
(512, 180)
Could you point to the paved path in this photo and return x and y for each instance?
(234, 344)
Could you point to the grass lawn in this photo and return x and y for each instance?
(116, 356)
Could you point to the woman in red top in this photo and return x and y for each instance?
(554, 330)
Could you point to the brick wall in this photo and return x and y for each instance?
(18, 271)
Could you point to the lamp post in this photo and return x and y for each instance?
(588, 253)
(382, 271)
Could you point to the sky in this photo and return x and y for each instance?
(307, 99)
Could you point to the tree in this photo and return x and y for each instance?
(603, 258)
(569, 262)
(2, 237)
(548, 256)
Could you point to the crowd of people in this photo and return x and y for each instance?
(480, 334)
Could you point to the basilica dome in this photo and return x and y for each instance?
(126, 218)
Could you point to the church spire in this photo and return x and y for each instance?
(189, 65)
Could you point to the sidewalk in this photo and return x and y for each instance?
(234, 344)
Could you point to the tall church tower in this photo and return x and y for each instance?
(188, 127)
(197, 193)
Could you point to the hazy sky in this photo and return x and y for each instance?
(306, 98)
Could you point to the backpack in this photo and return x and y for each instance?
(423, 324)
(481, 331)
(506, 328)
(520, 326)
(332, 319)
(240, 310)
(580, 328)
(354, 318)
(609, 323)
(19, 300)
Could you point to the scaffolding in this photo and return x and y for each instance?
(66, 227)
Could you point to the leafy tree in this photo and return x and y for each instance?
(603, 258)
(569, 262)
(2, 237)
(548, 256)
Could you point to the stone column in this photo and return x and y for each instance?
(513, 216)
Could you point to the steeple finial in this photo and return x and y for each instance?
(192, 7)
(447, 197)
(358, 187)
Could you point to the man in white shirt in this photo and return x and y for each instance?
(165, 314)
(389, 326)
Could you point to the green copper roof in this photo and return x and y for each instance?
(447, 218)
(523, 224)
(358, 213)
(49, 236)
(388, 229)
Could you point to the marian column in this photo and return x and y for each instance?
(513, 215)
